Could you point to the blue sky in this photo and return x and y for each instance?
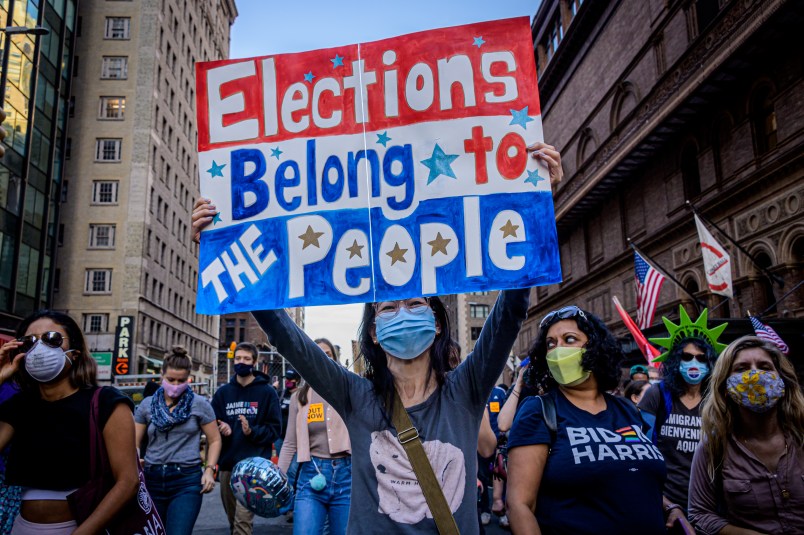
(266, 27)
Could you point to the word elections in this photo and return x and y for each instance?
(325, 102)
(591, 444)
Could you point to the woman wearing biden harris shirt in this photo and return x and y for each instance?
(578, 456)
(673, 407)
(406, 345)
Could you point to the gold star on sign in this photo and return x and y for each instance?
(355, 250)
(439, 244)
(397, 254)
(310, 237)
(509, 229)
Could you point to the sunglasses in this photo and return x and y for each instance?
(50, 338)
(687, 357)
(562, 313)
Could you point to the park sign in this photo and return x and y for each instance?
(374, 171)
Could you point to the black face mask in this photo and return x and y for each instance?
(243, 370)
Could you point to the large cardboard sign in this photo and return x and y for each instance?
(374, 171)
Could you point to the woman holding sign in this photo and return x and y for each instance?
(406, 345)
(318, 435)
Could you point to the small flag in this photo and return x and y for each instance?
(648, 285)
(768, 334)
(717, 263)
(645, 347)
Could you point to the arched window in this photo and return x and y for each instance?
(763, 118)
(721, 135)
(624, 102)
(587, 145)
(765, 296)
(690, 174)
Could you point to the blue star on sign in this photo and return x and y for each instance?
(479, 42)
(337, 61)
(534, 178)
(275, 153)
(216, 219)
(309, 76)
(216, 169)
(383, 139)
(520, 117)
(439, 164)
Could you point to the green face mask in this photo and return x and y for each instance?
(564, 364)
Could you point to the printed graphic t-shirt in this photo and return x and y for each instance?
(603, 476)
(677, 437)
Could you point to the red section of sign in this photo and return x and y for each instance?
(401, 78)
(511, 166)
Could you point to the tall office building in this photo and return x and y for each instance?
(37, 88)
(127, 267)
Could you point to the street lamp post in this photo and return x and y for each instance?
(8, 31)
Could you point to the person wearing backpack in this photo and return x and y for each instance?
(673, 407)
(577, 455)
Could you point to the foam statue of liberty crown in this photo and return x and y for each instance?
(689, 329)
(261, 487)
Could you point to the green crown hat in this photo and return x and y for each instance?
(689, 329)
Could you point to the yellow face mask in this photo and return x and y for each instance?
(565, 366)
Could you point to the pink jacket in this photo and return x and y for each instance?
(297, 438)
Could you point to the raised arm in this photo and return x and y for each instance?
(506, 416)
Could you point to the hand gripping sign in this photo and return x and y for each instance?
(374, 171)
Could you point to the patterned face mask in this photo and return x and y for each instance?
(757, 390)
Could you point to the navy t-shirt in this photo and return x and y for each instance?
(494, 405)
(603, 475)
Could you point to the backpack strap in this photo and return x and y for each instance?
(549, 415)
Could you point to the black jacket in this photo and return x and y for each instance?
(259, 403)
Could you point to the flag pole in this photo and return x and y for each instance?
(666, 274)
(782, 298)
(717, 306)
(774, 278)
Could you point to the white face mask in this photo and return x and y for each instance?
(45, 363)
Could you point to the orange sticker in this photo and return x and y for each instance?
(494, 406)
(315, 413)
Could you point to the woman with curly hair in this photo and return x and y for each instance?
(748, 471)
(672, 407)
(577, 454)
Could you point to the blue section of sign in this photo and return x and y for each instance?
(247, 266)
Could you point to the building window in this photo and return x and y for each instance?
(690, 173)
(108, 150)
(98, 281)
(763, 119)
(104, 192)
(575, 6)
(117, 28)
(478, 311)
(96, 323)
(475, 333)
(101, 236)
(114, 68)
(112, 108)
(554, 38)
(230, 331)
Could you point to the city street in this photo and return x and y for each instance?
(212, 520)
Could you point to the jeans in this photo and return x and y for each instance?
(332, 502)
(176, 492)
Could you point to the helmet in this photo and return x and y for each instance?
(292, 375)
(261, 487)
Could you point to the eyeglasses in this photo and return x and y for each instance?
(687, 357)
(389, 309)
(562, 314)
(50, 338)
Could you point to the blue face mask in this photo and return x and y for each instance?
(243, 370)
(693, 371)
(408, 334)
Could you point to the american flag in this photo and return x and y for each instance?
(648, 285)
(768, 334)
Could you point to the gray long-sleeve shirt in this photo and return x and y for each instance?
(386, 497)
(751, 497)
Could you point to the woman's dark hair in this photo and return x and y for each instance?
(670, 367)
(178, 360)
(634, 388)
(602, 357)
(83, 371)
(377, 362)
(304, 389)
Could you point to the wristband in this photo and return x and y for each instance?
(214, 469)
(670, 508)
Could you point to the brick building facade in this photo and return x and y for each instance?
(656, 102)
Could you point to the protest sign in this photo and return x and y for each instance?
(374, 171)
